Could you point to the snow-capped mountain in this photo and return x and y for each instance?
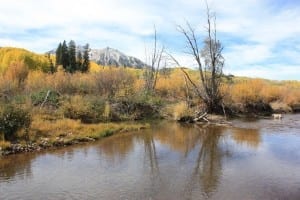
(112, 57)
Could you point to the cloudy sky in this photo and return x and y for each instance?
(261, 38)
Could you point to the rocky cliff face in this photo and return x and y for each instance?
(113, 57)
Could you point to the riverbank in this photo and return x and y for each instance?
(53, 130)
(65, 132)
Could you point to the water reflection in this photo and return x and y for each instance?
(208, 168)
(16, 165)
(179, 137)
(117, 147)
(205, 169)
(169, 161)
(250, 137)
(150, 154)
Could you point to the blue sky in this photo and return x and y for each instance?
(261, 37)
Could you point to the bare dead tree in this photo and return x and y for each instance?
(151, 73)
(209, 60)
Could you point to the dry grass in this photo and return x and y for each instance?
(278, 106)
(255, 90)
(178, 110)
(4, 144)
(73, 129)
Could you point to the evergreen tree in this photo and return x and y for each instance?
(79, 60)
(72, 57)
(58, 55)
(65, 56)
(86, 59)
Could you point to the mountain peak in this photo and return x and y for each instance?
(109, 56)
(113, 57)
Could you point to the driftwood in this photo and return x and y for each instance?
(201, 117)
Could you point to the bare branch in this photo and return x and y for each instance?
(187, 76)
(211, 69)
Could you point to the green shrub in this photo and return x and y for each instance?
(12, 120)
(87, 109)
(136, 108)
(107, 133)
(46, 97)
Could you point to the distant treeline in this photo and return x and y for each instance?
(71, 58)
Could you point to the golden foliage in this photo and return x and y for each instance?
(9, 55)
(174, 84)
(179, 110)
(247, 91)
(94, 67)
(113, 82)
(21, 69)
(4, 144)
(255, 90)
(17, 71)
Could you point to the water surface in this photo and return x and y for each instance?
(257, 159)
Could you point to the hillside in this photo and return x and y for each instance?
(10, 55)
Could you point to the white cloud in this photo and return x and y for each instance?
(241, 55)
(272, 72)
(255, 28)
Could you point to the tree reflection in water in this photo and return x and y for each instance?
(16, 166)
(117, 147)
(185, 139)
(186, 158)
(208, 165)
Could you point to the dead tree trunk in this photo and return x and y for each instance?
(210, 63)
(151, 73)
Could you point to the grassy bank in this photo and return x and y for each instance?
(46, 132)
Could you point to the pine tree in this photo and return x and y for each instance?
(79, 60)
(65, 56)
(86, 59)
(72, 56)
(58, 55)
